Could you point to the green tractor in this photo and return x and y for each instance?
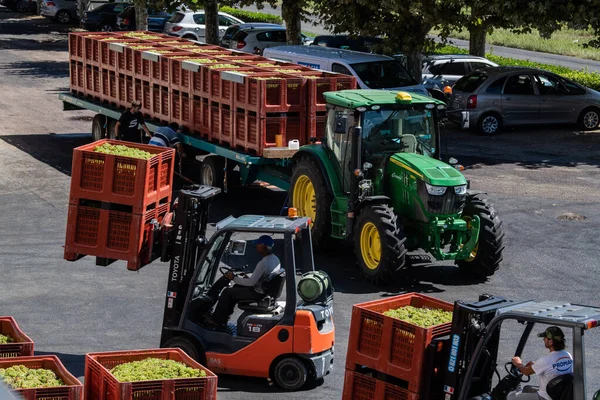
(378, 179)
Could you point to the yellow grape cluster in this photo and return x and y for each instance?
(151, 369)
(21, 377)
(423, 317)
(5, 339)
(122, 150)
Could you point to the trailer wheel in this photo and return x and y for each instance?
(290, 373)
(110, 128)
(308, 193)
(183, 343)
(98, 127)
(485, 258)
(379, 243)
(211, 171)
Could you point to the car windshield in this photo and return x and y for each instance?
(383, 74)
(408, 131)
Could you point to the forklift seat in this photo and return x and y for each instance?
(561, 387)
(272, 287)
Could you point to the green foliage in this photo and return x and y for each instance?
(423, 317)
(152, 369)
(122, 150)
(21, 377)
(5, 339)
(251, 16)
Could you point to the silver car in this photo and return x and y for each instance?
(444, 70)
(490, 99)
(255, 40)
(190, 24)
(63, 11)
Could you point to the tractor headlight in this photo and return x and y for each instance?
(435, 190)
(462, 189)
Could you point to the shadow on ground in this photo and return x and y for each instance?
(38, 69)
(75, 363)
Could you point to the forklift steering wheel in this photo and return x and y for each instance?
(225, 270)
(515, 373)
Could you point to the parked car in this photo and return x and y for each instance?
(235, 28)
(156, 20)
(255, 40)
(63, 11)
(21, 5)
(367, 44)
(440, 71)
(508, 96)
(103, 18)
(190, 24)
(372, 71)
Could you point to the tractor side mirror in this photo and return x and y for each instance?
(596, 395)
(341, 124)
(236, 248)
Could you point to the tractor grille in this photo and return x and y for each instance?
(449, 203)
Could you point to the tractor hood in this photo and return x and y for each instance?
(430, 170)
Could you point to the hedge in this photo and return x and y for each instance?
(251, 16)
(589, 79)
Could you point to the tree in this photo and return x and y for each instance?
(404, 24)
(141, 15)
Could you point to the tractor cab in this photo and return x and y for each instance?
(493, 327)
(288, 332)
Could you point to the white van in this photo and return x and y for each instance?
(372, 71)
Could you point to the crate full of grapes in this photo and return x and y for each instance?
(13, 342)
(164, 374)
(39, 378)
(391, 335)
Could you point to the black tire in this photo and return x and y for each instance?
(106, 27)
(307, 167)
(489, 124)
(589, 119)
(110, 128)
(63, 17)
(190, 37)
(188, 347)
(486, 259)
(290, 373)
(211, 171)
(391, 257)
(98, 127)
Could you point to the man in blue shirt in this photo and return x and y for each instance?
(166, 136)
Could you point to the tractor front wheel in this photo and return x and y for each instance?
(309, 195)
(379, 243)
(485, 258)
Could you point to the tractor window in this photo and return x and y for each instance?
(341, 144)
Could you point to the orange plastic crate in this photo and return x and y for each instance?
(359, 386)
(391, 346)
(72, 391)
(22, 344)
(100, 384)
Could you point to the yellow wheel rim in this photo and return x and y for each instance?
(474, 251)
(304, 198)
(370, 245)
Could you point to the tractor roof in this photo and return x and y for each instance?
(263, 224)
(556, 313)
(370, 97)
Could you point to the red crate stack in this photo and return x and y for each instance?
(388, 345)
(72, 390)
(21, 345)
(100, 384)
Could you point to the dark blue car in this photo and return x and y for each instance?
(156, 20)
(103, 18)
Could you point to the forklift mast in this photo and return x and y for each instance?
(182, 244)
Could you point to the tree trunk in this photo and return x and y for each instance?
(82, 6)
(141, 15)
(291, 11)
(477, 41)
(414, 63)
(211, 14)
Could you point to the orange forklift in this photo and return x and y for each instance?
(289, 341)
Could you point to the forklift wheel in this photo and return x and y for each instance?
(290, 373)
(187, 346)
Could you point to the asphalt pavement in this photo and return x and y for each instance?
(543, 181)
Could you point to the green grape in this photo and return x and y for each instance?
(21, 377)
(424, 317)
(5, 339)
(122, 150)
(151, 369)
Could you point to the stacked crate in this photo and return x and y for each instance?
(21, 345)
(386, 356)
(234, 99)
(116, 203)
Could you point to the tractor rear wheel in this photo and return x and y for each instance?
(379, 243)
(308, 193)
(485, 258)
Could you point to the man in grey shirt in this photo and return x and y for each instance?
(247, 288)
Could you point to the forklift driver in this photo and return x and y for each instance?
(246, 288)
(558, 362)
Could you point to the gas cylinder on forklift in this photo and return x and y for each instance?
(288, 341)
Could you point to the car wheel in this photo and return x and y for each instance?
(489, 124)
(63, 17)
(589, 119)
(190, 37)
(105, 28)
